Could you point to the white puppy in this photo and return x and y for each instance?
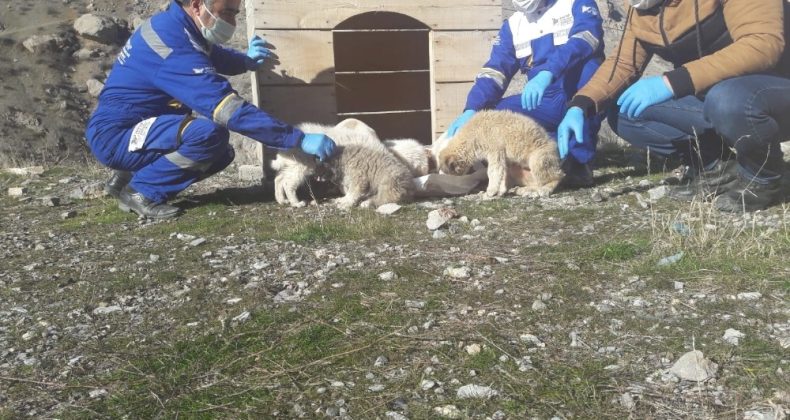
(416, 156)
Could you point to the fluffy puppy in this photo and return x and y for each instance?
(365, 170)
(416, 156)
(504, 138)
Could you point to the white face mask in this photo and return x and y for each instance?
(528, 6)
(219, 33)
(645, 4)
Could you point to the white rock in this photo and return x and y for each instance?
(242, 317)
(104, 310)
(427, 384)
(627, 401)
(392, 415)
(538, 306)
(39, 44)
(733, 336)
(671, 259)
(437, 218)
(68, 214)
(94, 87)
(750, 296)
(439, 234)
(448, 412)
(658, 193)
(415, 304)
(693, 366)
(531, 339)
(28, 335)
(473, 349)
(251, 173)
(376, 388)
(476, 391)
(198, 242)
(233, 301)
(17, 191)
(388, 276)
(381, 361)
(458, 272)
(101, 29)
(25, 171)
(98, 393)
(679, 285)
(388, 209)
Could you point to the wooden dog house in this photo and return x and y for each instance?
(404, 67)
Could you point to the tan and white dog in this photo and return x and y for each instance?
(509, 143)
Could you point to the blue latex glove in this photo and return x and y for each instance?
(571, 125)
(318, 145)
(533, 91)
(256, 53)
(645, 92)
(459, 122)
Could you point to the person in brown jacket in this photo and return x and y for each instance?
(728, 93)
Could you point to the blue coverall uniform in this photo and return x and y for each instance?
(565, 38)
(144, 121)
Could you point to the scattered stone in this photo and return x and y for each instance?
(539, 306)
(473, 349)
(533, 340)
(381, 361)
(673, 259)
(198, 242)
(458, 272)
(97, 393)
(94, 87)
(250, 173)
(106, 310)
(750, 296)
(427, 384)
(392, 415)
(88, 191)
(437, 218)
(415, 304)
(40, 44)
(50, 201)
(476, 391)
(448, 412)
(242, 317)
(68, 214)
(376, 388)
(17, 191)
(693, 366)
(439, 234)
(25, 171)
(388, 276)
(102, 29)
(681, 229)
(153, 258)
(733, 336)
(388, 209)
(233, 301)
(627, 401)
(679, 285)
(658, 193)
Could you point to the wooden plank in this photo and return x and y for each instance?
(302, 57)
(455, 15)
(459, 56)
(296, 104)
(381, 51)
(383, 92)
(450, 101)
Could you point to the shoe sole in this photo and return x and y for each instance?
(126, 209)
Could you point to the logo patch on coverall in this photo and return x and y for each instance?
(139, 134)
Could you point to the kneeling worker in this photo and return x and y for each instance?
(143, 125)
(558, 44)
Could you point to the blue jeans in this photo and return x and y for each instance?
(747, 114)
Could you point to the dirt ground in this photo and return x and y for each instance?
(574, 306)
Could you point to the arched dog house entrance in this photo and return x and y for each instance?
(383, 74)
(402, 66)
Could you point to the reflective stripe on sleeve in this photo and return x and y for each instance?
(588, 37)
(495, 75)
(226, 108)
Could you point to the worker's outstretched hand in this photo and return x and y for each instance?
(571, 126)
(646, 92)
(459, 122)
(318, 145)
(256, 53)
(533, 90)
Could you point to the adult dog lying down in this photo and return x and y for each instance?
(504, 138)
(364, 169)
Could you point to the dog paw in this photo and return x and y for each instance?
(343, 203)
(366, 204)
(298, 204)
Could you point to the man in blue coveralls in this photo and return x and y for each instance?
(143, 126)
(558, 44)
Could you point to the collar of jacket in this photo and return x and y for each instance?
(177, 12)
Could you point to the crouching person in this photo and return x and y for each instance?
(143, 126)
(558, 44)
(728, 94)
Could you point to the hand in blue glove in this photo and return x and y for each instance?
(646, 92)
(533, 91)
(571, 125)
(256, 53)
(318, 145)
(459, 122)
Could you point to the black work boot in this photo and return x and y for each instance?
(577, 175)
(742, 195)
(705, 184)
(117, 181)
(131, 200)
